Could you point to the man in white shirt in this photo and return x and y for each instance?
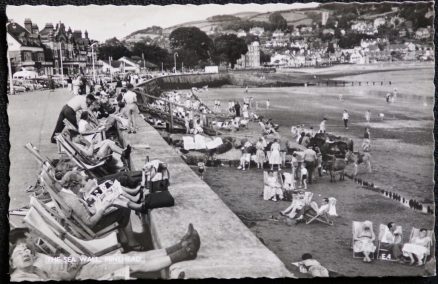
(345, 117)
(75, 104)
(130, 99)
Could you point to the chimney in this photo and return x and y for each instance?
(28, 25)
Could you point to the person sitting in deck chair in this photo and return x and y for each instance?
(323, 213)
(418, 246)
(28, 264)
(97, 150)
(311, 266)
(272, 187)
(391, 239)
(296, 209)
(363, 240)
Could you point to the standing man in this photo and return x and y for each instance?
(322, 125)
(310, 160)
(246, 89)
(345, 117)
(268, 104)
(75, 104)
(130, 98)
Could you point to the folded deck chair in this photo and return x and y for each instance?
(357, 230)
(415, 232)
(81, 160)
(382, 253)
(322, 214)
(67, 215)
(51, 231)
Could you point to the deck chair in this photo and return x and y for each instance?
(322, 214)
(357, 229)
(66, 214)
(415, 232)
(49, 229)
(382, 253)
(70, 125)
(81, 160)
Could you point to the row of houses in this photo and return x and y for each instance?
(51, 50)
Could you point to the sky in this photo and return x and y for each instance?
(104, 22)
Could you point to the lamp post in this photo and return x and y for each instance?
(175, 55)
(11, 83)
(62, 67)
(92, 58)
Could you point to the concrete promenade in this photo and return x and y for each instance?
(228, 250)
(32, 118)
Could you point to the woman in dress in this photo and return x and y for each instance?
(275, 158)
(363, 242)
(417, 247)
(260, 154)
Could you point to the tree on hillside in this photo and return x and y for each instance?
(152, 53)
(229, 48)
(251, 38)
(264, 57)
(192, 44)
(278, 21)
(113, 48)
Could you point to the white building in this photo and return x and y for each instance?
(379, 22)
(252, 58)
(241, 33)
(257, 31)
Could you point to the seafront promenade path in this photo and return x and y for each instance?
(32, 118)
(228, 248)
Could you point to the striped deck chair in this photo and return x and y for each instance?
(66, 214)
(415, 232)
(81, 160)
(51, 231)
(322, 214)
(69, 125)
(385, 254)
(357, 229)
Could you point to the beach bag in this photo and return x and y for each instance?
(157, 200)
(161, 184)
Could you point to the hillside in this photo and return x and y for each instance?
(293, 17)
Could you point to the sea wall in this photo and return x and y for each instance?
(228, 248)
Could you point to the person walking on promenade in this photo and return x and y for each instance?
(69, 112)
(345, 117)
(268, 104)
(246, 89)
(69, 84)
(322, 128)
(51, 84)
(368, 116)
(76, 85)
